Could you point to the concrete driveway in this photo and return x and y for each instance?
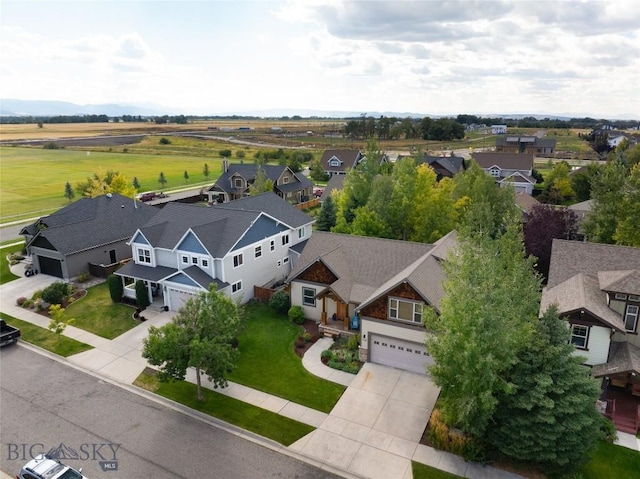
(375, 427)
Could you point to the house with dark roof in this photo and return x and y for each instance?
(536, 145)
(236, 181)
(512, 169)
(90, 230)
(339, 162)
(337, 283)
(525, 202)
(236, 245)
(596, 287)
(444, 166)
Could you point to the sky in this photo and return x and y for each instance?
(561, 57)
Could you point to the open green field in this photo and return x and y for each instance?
(32, 180)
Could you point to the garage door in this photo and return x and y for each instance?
(50, 266)
(399, 353)
(177, 298)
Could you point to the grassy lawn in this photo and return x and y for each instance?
(5, 272)
(268, 363)
(260, 421)
(422, 471)
(60, 345)
(610, 460)
(97, 314)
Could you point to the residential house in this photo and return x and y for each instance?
(236, 246)
(339, 162)
(498, 129)
(87, 231)
(377, 285)
(335, 183)
(236, 181)
(444, 166)
(509, 169)
(525, 202)
(597, 289)
(535, 145)
(581, 210)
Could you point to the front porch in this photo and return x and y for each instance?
(623, 408)
(335, 328)
(338, 323)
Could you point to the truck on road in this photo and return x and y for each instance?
(8, 334)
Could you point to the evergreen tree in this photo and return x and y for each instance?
(136, 183)
(205, 171)
(162, 179)
(550, 418)
(68, 192)
(327, 217)
(185, 175)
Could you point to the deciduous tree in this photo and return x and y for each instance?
(200, 336)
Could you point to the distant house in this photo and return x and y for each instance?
(378, 286)
(526, 144)
(337, 162)
(498, 129)
(236, 246)
(236, 181)
(444, 166)
(509, 169)
(596, 288)
(90, 230)
(525, 202)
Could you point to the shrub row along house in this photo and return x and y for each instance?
(237, 245)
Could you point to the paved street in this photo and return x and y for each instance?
(44, 403)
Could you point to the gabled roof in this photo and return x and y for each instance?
(578, 293)
(525, 201)
(505, 161)
(569, 258)
(451, 164)
(626, 282)
(222, 226)
(92, 222)
(518, 177)
(624, 358)
(362, 264)
(348, 159)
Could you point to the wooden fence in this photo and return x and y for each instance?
(307, 205)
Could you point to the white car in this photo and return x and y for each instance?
(44, 467)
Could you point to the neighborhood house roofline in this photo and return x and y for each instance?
(184, 236)
(388, 289)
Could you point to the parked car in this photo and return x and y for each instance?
(8, 334)
(45, 467)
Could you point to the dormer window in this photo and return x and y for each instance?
(334, 162)
(495, 172)
(237, 182)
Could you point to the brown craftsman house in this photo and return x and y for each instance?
(377, 286)
(536, 145)
(597, 289)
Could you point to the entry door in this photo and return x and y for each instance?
(112, 256)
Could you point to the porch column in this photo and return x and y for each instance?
(149, 292)
(323, 315)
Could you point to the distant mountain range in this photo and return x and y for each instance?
(12, 107)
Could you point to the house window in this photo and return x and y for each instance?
(235, 287)
(308, 297)
(579, 336)
(300, 233)
(631, 318)
(495, 172)
(279, 263)
(285, 240)
(272, 245)
(634, 297)
(238, 260)
(257, 252)
(334, 162)
(144, 256)
(285, 260)
(185, 259)
(194, 260)
(205, 263)
(405, 310)
(238, 182)
(285, 179)
(621, 296)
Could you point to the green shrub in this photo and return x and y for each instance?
(296, 314)
(56, 292)
(280, 302)
(165, 141)
(335, 364)
(142, 295)
(352, 368)
(83, 277)
(116, 289)
(28, 304)
(607, 429)
(36, 294)
(353, 342)
(326, 353)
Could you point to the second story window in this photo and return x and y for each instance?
(631, 318)
(257, 251)
(285, 240)
(300, 233)
(144, 256)
(405, 310)
(237, 182)
(272, 245)
(238, 260)
(579, 336)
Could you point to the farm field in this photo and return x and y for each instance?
(32, 181)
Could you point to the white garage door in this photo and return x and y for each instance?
(399, 353)
(177, 298)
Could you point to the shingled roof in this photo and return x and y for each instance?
(91, 222)
(505, 161)
(624, 358)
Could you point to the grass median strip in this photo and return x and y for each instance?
(246, 416)
(422, 471)
(60, 345)
(267, 362)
